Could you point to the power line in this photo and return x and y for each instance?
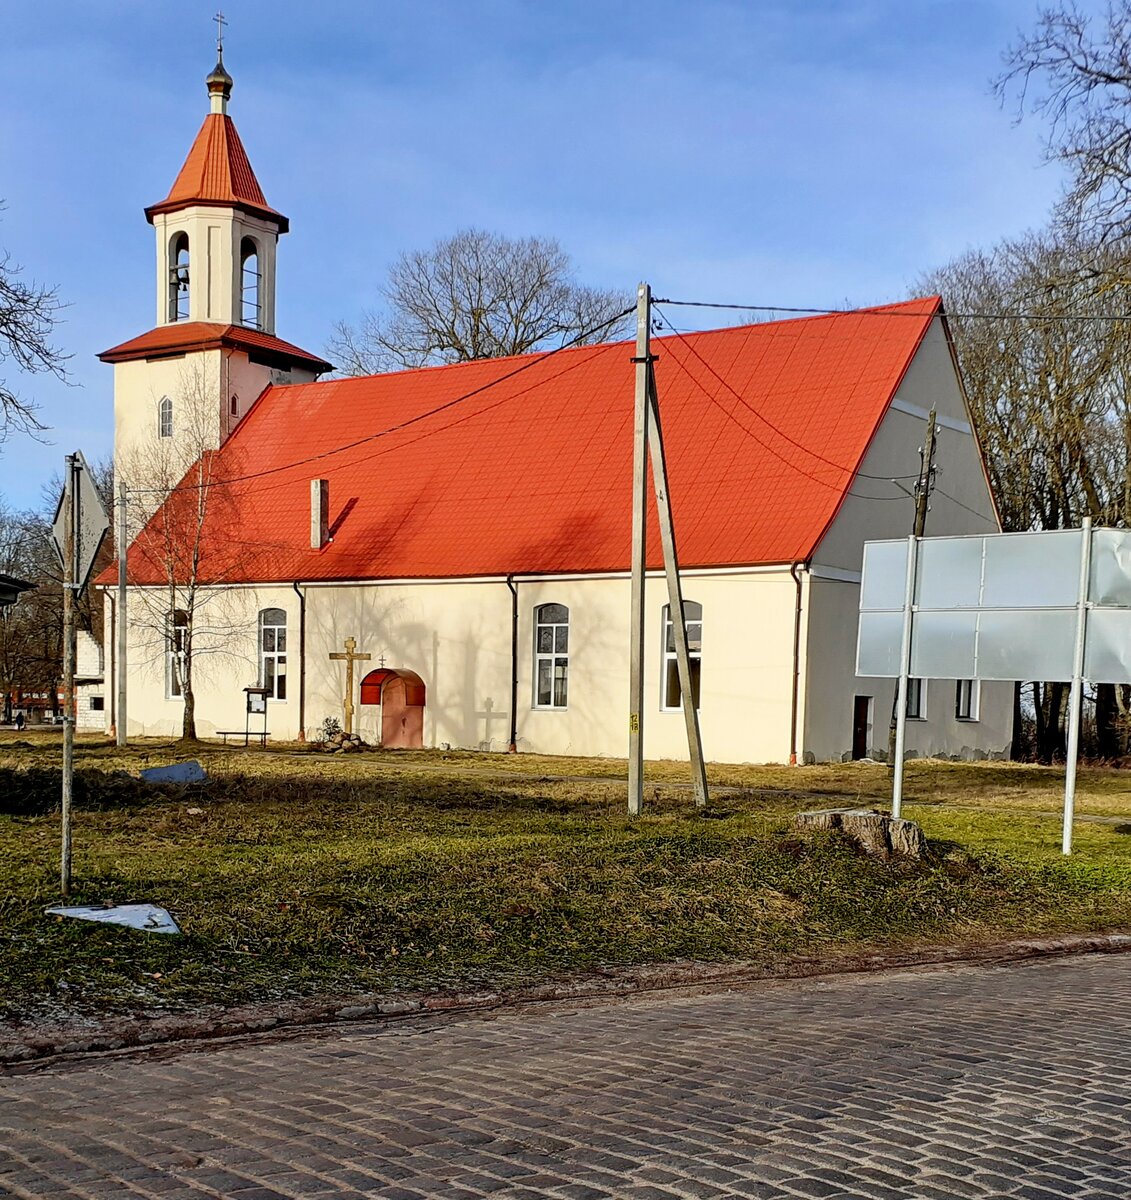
(974, 511)
(835, 487)
(459, 420)
(533, 361)
(880, 310)
(764, 419)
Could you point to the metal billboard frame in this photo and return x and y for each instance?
(1002, 604)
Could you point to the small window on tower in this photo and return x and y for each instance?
(165, 417)
(179, 278)
(235, 405)
(249, 276)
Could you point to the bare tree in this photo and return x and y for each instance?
(31, 632)
(1075, 70)
(1046, 357)
(180, 599)
(475, 295)
(28, 315)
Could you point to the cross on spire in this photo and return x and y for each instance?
(220, 23)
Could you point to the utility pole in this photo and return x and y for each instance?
(120, 723)
(923, 488)
(675, 594)
(70, 502)
(649, 439)
(643, 361)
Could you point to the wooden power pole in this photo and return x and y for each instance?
(648, 439)
(923, 488)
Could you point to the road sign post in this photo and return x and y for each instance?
(79, 527)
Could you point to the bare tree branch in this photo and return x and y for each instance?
(28, 316)
(1075, 71)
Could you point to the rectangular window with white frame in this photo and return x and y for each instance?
(966, 696)
(671, 699)
(273, 652)
(916, 699)
(176, 647)
(551, 656)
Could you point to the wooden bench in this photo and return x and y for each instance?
(246, 734)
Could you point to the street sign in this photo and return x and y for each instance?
(91, 523)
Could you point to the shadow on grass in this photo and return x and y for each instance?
(36, 792)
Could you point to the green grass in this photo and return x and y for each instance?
(303, 874)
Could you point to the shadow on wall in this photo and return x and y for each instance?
(462, 651)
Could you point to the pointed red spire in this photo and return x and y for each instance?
(217, 170)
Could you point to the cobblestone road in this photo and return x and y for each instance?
(935, 1084)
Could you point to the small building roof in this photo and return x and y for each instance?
(218, 171)
(11, 587)
(180, 337)
(524, 465)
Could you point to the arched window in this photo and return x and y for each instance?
(693, 621)
(273, 652)
(176, 652)
(235, 405)
(551, 655)
(165, 417)
(179, 278)
(249, 284)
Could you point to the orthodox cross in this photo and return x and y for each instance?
(350, 657)
(381, 661)
(220, 23)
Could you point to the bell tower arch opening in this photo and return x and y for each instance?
(179, 294)
(251, 306)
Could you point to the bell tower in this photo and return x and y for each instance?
(183, 387)
(216, 234)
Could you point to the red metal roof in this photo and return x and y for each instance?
(180, 337)
(532, 473)
(217, 171)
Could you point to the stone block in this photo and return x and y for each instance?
(183, 772)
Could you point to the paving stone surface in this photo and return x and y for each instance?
(935, 1084)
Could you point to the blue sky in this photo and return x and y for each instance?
(791, 152)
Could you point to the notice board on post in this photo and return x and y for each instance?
(1003, 606)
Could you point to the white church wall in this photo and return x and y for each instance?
(139, 387)
(457, 637)
(894, 454)
(225, 661)
(746, 668)
(831, 632)
(832, 685)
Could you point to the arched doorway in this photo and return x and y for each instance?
(392, 708)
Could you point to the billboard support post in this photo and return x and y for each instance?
(1075, 701)
(901, 687)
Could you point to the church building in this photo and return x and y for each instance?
(463, 532)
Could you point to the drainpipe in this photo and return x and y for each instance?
(301, 661)
(793, 705)
(513, 747)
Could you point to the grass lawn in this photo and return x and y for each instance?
(295, 874)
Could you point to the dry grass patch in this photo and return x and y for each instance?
(304, 873)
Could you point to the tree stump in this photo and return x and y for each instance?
(874, 833)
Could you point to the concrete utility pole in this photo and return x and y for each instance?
(648, 437)
(120, 722)
(643, 361)
(70, 501)
(675, 596)
(923, 488)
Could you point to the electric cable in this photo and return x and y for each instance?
(533, 361)
(765, 420)
(881, 310)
